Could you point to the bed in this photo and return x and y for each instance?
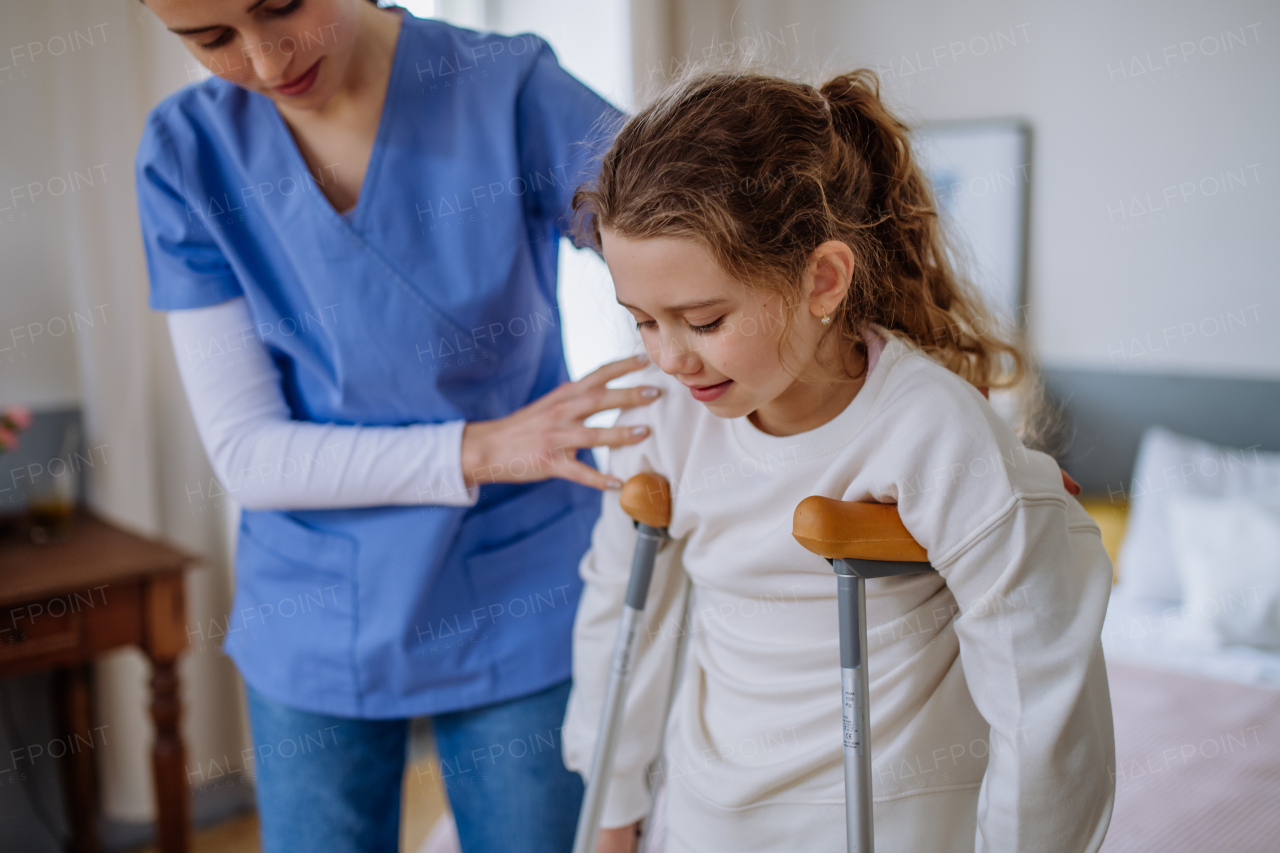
(1197, 763)
(1197, 714)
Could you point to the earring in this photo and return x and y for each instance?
(826, 321)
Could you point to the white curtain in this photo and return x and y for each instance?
(131, 397)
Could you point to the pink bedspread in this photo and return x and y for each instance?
(1197, 764)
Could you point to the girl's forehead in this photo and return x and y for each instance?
(654, 249)
(666, 274)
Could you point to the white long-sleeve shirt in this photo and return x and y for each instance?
(266, 460)
(990, 714)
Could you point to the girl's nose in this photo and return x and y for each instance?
(674, 357)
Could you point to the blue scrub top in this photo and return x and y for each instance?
(435, 301)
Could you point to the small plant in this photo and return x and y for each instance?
(13, 420)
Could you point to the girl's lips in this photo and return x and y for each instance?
(707, 393)
(301, 84)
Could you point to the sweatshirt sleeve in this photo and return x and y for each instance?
(1031, 580)
(605, 571)
(267, 460)
(1032, 591)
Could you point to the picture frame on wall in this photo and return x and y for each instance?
(981, 177)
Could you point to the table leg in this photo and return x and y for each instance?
(168, 755)
(71, 688)
(164, 617)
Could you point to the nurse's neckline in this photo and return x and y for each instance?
(368, 68)
(314, 130)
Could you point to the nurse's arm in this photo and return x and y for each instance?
(266, 460)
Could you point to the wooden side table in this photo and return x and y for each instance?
(64, 603)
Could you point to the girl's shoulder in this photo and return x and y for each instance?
(909, 386)
(914, 381)
(934, 420)
(939, 450)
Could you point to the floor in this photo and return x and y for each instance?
(423, 801)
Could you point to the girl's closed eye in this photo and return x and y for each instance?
(696, 329)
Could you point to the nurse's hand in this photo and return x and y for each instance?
(540, 441)
(624, 839)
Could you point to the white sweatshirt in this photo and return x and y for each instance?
(266, 460)
(990, 715)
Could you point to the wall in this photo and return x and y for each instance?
(37, 322)
(76, 80)
(1153, 171)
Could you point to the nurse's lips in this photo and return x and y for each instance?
(302, 83)
(707, 393)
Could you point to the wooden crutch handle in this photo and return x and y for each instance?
(647, 499)
(853, 530)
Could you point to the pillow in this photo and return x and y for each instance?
(1227, 556)
(1169, 464)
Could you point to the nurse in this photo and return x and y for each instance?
(353, 227)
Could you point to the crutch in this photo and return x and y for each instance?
(647, 499)
(677, 675)
(860, 540)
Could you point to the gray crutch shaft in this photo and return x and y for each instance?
(851, 594)
(862, 540)
(647, 542)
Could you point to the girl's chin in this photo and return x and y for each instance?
(728, 409)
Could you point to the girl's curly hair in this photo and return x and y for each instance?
(762, 170)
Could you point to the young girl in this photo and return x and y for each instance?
(783, 259)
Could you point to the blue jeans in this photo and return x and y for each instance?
(332, 784)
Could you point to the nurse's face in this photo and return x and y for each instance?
(293, 51)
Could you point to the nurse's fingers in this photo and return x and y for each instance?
(593, 383)
(591, 401)
(582, 473)
(613, 370)
(610, 436)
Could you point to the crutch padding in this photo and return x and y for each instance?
(862, 540)
(647, 499)
(853, 530)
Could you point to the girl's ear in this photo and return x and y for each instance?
(830, 272)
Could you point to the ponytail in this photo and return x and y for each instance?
(913, 288)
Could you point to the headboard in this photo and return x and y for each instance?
(1105, 414)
